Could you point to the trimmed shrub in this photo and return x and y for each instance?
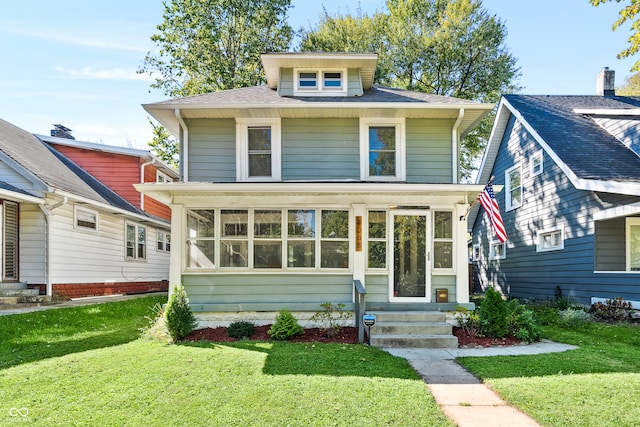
(241, 329)
(522, 323)
(333, 316)
(285, 327)
(493, 315)
(180, 321)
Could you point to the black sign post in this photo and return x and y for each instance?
(369, 320)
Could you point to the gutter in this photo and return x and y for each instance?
(47, 252)
(455, 146)
(183, 140)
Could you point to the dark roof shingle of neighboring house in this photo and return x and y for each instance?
(585, 147)
(55, 170)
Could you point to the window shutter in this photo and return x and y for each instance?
(10, 241)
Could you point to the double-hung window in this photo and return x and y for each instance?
(267, 239)
(301, 243)
(136, 246)
(164, 241)
(258, 150)
(536, 163)
(513, 188)
(201, 238)
(382, 149)
(377, 239)
(442, 240)
(234, 243)
(334, 239)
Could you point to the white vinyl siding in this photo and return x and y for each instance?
(72, 251)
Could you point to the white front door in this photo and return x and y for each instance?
(410, 278)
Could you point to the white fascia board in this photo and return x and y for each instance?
(495, 139)
(25, 173)
(20, 197)
(113, 209)
(620, 211)
(608, 111)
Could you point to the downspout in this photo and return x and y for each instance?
(183, 139)
(455, 145)
(142, 166)
(47, 253)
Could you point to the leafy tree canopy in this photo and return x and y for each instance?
(444, 47)
(211, 45)
(631, 86)
(164, 145)
(629, 13)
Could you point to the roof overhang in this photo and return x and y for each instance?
(166, 193)
(169, 115)
(20, 197)
(365, 62)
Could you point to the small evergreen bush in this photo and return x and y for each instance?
(612, 310)
(493, 315)
(285, 327)
(180, 321)
(332, 316)
(241, 329)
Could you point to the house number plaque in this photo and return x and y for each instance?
(358, 234)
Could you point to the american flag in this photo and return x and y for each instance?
(490, 205)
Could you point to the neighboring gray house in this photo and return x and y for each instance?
(65, 233)
(293, 190)
(570, 166)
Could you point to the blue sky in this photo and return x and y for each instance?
(73, 62)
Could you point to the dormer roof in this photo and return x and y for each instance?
(365, 62)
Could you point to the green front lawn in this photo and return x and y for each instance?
(596, 385)
(100, 374)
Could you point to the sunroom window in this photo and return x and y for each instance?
(377, 238)
(442, 239)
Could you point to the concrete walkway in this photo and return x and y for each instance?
(76, 302)
(462, 396)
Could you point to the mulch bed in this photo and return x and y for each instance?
(347, 335)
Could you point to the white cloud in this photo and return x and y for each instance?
(76, 39)
(105, 74)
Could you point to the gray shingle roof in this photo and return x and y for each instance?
(264, 95)
(55, 170)
(587, 149)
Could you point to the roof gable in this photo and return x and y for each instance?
(592, 158)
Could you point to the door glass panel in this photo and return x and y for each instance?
(409, 234)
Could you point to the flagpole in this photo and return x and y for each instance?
(462, 218)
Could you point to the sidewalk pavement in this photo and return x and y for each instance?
(76, 302)
(463, 397)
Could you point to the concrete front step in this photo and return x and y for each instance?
(19, 292)
(414, 341)
(411, 328)
(408, 316)
(12, 286)
(24, 299)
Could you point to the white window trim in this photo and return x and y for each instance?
(161, 175)
(451, 240)
(242, 149)
(492, 252)
(400, 126)
(476, 252)
(163, 241)
(507, 188)
(135, 256)
(385, 239)
(538, 154)
(629, 222)
(77, 209)
(320, 89)
(540, 235)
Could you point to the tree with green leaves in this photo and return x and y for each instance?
(631, 86)
(211, 45)
(164, 145)
(628, 13)
(444, 47)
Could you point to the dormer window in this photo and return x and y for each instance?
(320, 82)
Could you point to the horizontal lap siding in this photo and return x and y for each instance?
(272, 288)
(429, 155)
(32, 244)
(320, 149)
(549, 201)
(611, 250)
(89, 257)
(212, 150)
(377, 287)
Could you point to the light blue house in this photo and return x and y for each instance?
(570, 166)
(293, 190)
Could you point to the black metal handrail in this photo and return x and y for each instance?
(360, 293)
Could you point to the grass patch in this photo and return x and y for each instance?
(594, 385)
(34, 336)
(86, 366)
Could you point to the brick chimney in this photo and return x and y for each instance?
(606, 82)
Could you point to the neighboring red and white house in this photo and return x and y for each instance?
(73, 224)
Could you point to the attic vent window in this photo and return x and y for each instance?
(320, 82)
